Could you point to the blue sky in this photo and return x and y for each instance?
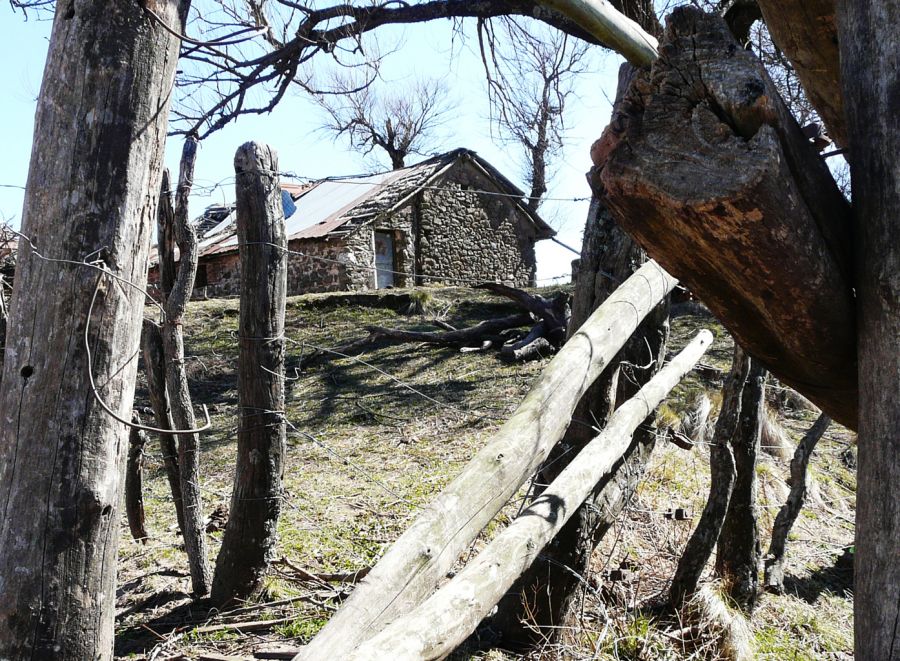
(423, 50)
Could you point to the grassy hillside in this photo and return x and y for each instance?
(372, 439)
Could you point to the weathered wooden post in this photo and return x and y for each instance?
(134, 496)
(256, 498)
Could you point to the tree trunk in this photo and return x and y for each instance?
(806, 33)
(722, 471)
(738, 553)
(155, 369)
(440, 624)
(3, 318)
(99, 133)
(176, 223)
(134, 496)
(774, 577)
(870, 60)
(421, 557)
(740, 207)
(251, 532)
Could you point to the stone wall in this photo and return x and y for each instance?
(473, 236)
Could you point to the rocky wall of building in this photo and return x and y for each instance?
(467, 235)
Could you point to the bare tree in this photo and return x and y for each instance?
(531, 72)
(399, 121)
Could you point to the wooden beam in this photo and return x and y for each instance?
(611, 27)
(422, 556)
(445, 620)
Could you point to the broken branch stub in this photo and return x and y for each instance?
(421, 557)
(706, 168)
(451, 614)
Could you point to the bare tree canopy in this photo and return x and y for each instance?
(400, 121)
(530, 74)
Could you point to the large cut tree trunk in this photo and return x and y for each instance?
(99, 132)
(712, 175)
(256, 498)
(870, 58)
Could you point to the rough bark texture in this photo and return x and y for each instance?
(711, 174)
(99, 131)
(774, 577)
(722, 472)
(421, 557)
(806, 33)
(176, 224)
(870, 57)
(738, 552)
(155, 370)
(740, 16)
(134, 496)
(3, 318)
(256, 498)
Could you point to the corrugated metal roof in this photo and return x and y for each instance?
(330, 205)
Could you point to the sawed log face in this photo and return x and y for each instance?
(706, 168)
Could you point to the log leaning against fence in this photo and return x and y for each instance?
(444, 621)
(256, 497)
(421, 557)
(711, 174)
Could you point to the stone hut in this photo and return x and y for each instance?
(450, 219)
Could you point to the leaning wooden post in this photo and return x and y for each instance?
(774, 577)
(421, 557)
(444, 621)
(256, 498)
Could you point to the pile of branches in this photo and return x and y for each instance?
(546, 320)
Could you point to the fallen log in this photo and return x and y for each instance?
(421, 557)
(439, 625)
(707, 169)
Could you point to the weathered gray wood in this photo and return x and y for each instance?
(774, 576)
(721, 481)
(176, 223)
(452, 613)
(100, 128)
(421, 557)
(155, 371)
(537, 607)
(870, 60)
(488, 329)
(251, 531)
(738, 552)
(805, 31)
(4, 315)
(611, 27)
(134, 496)
(711, 174)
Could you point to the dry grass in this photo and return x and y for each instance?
(381, 451)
